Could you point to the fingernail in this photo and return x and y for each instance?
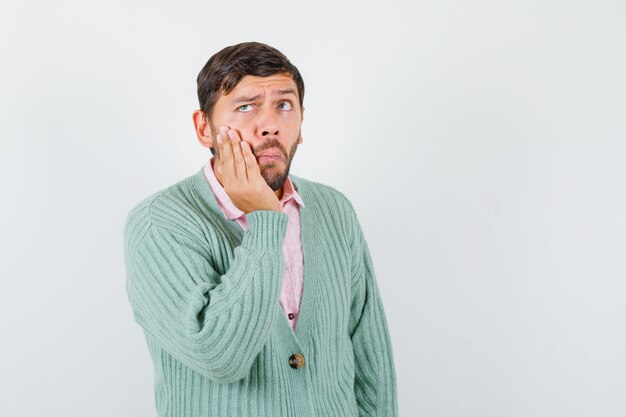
(219, 138)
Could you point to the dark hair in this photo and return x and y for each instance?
(226, 68)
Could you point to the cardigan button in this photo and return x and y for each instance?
(296, 361)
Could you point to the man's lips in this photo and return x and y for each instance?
(269, 156)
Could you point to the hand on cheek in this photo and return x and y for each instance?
(240, 174)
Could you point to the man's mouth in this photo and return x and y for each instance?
(269, 156)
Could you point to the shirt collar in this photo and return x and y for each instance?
(290, 192)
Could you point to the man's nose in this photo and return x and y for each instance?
(267, 122)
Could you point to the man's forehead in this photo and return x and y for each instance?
(251, 85)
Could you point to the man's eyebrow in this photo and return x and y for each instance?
(287, 91)
(242, 99)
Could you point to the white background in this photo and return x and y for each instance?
(483, 145)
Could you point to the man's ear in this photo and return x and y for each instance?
(300, 134)
(203, 130)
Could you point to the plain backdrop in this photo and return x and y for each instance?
(482, 143)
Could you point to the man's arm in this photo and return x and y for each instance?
(215, 325)
(375, 377)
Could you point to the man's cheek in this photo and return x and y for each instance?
(241, 126)
(238, 121)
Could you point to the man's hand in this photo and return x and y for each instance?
(241, 176)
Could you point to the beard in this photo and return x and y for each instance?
(274, 178)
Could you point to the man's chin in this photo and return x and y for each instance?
(272, 169)
(275, 174)
(274, 181)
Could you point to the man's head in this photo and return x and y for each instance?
(254, 89)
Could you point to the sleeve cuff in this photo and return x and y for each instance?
(266, 229)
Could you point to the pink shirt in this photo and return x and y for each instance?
(291, 201)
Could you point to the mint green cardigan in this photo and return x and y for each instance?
(205, 292)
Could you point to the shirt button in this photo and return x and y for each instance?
(296, 361)
(291, 316)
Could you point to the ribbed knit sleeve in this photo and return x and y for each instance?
(215, 324)
(375, 378)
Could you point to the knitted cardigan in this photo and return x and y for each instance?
(205, 292)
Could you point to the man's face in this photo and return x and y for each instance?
(266, 112)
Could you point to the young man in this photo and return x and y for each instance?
(255, 289)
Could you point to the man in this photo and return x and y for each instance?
(255, 288)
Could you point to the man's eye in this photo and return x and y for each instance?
(244, 108)
(288, 105)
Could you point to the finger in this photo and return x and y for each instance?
(240, 166)
(252, 166)
(226, 155)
